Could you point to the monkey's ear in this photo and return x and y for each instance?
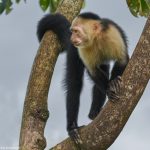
(96, 27)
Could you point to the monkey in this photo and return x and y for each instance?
(91, 43)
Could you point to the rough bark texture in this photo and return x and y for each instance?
(35, 113)
(102, 132)
(70, 8)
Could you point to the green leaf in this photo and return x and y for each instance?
(8, 7)
(17, 1)
(5, 5)
(44, 4)
(145, 8)
(53, 5)
(83, 5)
(139, 7)
(2, 6)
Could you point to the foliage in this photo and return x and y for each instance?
(52, 4)
(6, 5)
(139, 7)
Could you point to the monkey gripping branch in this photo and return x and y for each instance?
(102, 132)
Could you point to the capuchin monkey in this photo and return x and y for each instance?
(91, 43)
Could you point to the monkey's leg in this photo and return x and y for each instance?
(114, 89)
(73, 82)
(98, 100)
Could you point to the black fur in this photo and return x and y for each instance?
(89, 15)
(59, 25)
(118, 68)
(73, 84)
(75, 67)
(101, 80)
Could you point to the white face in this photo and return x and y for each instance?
(79, 36)
(83, 32)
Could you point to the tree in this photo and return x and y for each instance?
(36, 112)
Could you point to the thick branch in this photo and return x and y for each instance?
(103, 131)
(35, 112)
(70, 8)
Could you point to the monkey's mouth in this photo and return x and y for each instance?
(76, 44)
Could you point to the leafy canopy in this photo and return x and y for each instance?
(6, 5)
(137, 7)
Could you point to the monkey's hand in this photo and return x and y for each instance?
(75, 136)
(113, 90)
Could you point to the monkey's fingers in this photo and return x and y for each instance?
(75, 136)
(113, 91)
(113, 96)
(118, 83)
(112, 86)
(115, 85)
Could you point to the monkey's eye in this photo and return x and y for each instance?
(74, 31)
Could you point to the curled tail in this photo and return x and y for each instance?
(59, 25)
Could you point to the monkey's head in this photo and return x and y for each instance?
(85, 28)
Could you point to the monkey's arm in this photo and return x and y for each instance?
(115, 80)
(106, 86)
(73, 85)
(119, 67)
(101, 77)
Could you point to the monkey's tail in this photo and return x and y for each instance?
(59, 25)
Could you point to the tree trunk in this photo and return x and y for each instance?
(102, 132)
(35, 113)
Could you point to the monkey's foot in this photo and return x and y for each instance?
(114, 91)
(92, 115)
(75, 136)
